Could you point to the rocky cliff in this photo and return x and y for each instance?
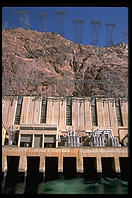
(36, 63)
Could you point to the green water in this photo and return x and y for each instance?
(73, 186)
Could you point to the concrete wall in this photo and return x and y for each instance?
(56, 113)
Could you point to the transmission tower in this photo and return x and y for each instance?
(60, 16)
(109, 33)
(124, 37)
(43, 21)
(5, 25)
(95, 27)
(78, 24)
(23, 16)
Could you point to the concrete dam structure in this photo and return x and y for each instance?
(87, 136)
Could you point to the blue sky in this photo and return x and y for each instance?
(118, 15)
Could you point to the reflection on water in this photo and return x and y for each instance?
(73, 186)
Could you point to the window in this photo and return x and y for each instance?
(18, 110)
(43, 110)
(94, 112)
(118, 112)
(69, 112)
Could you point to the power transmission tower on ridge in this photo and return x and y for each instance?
(23, 16)
(110, 33)
(43, 21)
(60, 16)
(78, 24)
(124, 37)
(95, 27)
(5, 25)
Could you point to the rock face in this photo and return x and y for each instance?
(36, 63)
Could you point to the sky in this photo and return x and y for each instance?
(117, 15)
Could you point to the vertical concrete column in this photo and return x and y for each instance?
(50, 107)
(124, 111)
(4, 164)
(75, 114)
(19, 140)
(42, 164)
(100, 115)
(5, 109)
(117, 165)
(12, 113)
(3, 135)
(106, 114)
(37, 112)
(24, 111)
(22, 163)
(99, 166)
(88, 116)
(33, 141)
(30, 110)
(43, 141)
(79, 163)
(60, 163)
(56, 140)
(112, 111)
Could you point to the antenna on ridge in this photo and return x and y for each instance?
(78, 24)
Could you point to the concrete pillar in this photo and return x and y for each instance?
(60, 163)
(124, 111)
(19, 140)
(79, 164)
(56, 140)
(55, 115)
(5, 109)
(30, 112)
(22, 163)
(24, 111)
(50, 107)
(88, 116)
(112, 111)
(100, 115)
(43, 141)
(99, 166)
(33, 141)
(37, 112)
(3, 135)
(117, 165)
(75, 114)
(62, 116)
(106, 114)
(81, 114)
(42, 165)
(12, 113)
(4, 164)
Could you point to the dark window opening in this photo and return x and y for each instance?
(43, 110)
(26, 140)
(18, 110)
(118, 112)
(69, 112)
(50, 141)
(12, 174)
(69, 167)
(32, 178)
(90, 169)
(51, 168)
(108, 167)
(94, 112)
(124, 167)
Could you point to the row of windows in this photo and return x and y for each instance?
(69, 111)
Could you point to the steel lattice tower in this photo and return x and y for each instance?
(5, 25)
(95, 27)
(124, 36)
(43, 21)
(23, 16)
(109, 33)
(78, 24)
(60, 16)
